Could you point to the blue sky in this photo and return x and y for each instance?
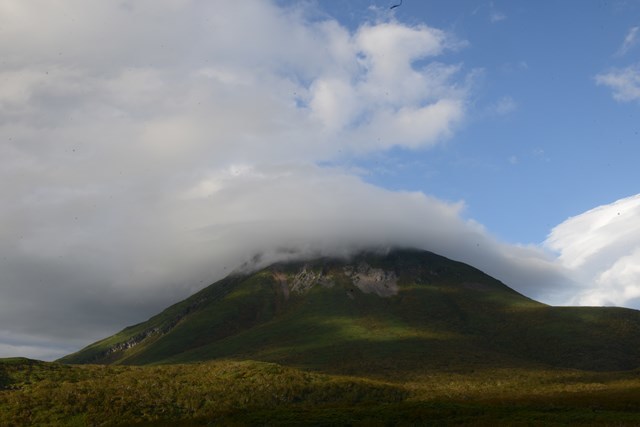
(561, 144)
(148, 148)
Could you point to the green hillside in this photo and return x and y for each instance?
(376, 314)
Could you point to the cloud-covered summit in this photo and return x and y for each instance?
(148, 148)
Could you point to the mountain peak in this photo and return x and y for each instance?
(403, 308)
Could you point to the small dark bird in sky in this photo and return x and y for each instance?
(396, 5)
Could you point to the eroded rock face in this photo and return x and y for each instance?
(373, 280)
(307, 278)
(302, 282)
(366, 278)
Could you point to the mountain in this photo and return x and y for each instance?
(377, 313)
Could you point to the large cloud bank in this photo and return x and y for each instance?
(601, 248)
(148, 148)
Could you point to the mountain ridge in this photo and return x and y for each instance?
(379, 312)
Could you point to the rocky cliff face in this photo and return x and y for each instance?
(367, 279)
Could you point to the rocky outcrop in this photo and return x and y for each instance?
(373, 280)
(366, 278)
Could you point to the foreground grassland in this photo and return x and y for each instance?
(250, 393)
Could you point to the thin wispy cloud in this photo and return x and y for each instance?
(495, 15)
(624, 82)
(503, 106)
(630, 41)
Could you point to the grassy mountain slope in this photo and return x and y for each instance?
(380, 314)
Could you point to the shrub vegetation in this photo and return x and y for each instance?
(259, 393)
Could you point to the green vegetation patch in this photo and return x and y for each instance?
(53, 394)
(259, 393)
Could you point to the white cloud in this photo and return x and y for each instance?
(629, 42)
(147, 148)
(602, 248)
(625, 82)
